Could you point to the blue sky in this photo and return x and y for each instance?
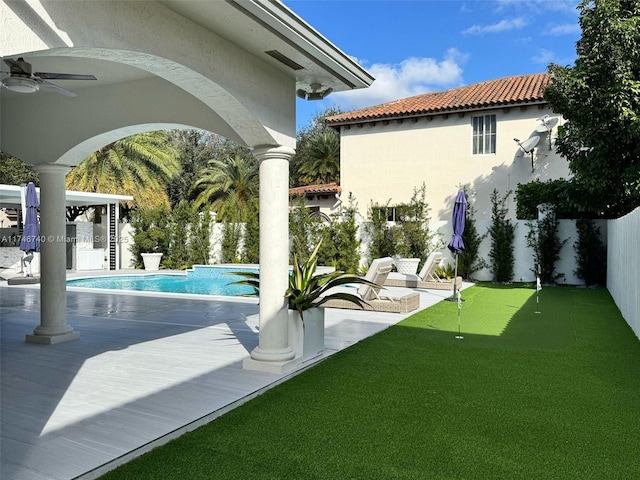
(418, 46)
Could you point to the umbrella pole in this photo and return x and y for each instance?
(455, 278)
(459, 336)
(453, 297)
(456, 296)
(538, 287)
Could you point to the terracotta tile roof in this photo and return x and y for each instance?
(516, 90)
(322, 189)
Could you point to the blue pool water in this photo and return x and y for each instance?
(202, 280)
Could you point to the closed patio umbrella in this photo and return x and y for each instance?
(456, 245)
(459, 209)
(30, 241)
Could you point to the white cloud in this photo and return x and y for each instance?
(537, 6)
(502, 26)
(412, 76)
(563, 29)
(545, 57)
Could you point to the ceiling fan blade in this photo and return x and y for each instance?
(11, 62)
(63, 76)
(57, 89)
(16, 67)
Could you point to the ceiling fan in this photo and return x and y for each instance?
(22, 80)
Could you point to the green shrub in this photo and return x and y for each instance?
(410, 237)
(178, 255)
(230, 244)
(543, 239)
(591, 254)
(150, 233)
(199, 239)
(502, 232)
(340, 246)
(378, 230)
(469, 261)
(304, 231)
(251, 251)
(560, 192)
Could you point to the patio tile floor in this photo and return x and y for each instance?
(146, 369)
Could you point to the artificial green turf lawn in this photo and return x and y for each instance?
(525, 395)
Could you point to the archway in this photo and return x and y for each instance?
(228, 67)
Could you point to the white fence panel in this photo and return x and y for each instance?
(623, 266)
(523, 255)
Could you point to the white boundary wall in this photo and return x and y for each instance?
(126, 240)
(523, 255)
(623, 266)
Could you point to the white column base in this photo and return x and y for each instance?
(271, 366)
(44, 339)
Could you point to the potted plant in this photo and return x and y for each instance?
(151, 239)
(306, 294)
(402, 257)
(150, 243)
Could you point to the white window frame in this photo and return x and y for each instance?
(483, 134)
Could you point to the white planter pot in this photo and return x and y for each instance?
(307, 341)
(151, 260)
(408, 266)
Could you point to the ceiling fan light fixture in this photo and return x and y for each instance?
(21, 85)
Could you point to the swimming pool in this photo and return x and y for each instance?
(201, 280)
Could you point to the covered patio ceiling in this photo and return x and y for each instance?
(232, 67)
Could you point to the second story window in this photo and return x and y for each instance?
(484, 134)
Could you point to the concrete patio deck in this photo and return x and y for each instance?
(146, 369)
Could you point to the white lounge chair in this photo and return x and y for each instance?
(378, 271)
(426, 278)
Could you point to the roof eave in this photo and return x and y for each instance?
(429, 113)
(304, 37)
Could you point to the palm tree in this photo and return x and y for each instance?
(309, 149)
(228, 186)
(14, 171)
(322, 160)
(140, 165)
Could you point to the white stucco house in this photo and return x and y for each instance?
(489, 135)
(445, 139)
(231, 67)
(322, 200)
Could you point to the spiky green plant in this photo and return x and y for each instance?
(306, 288)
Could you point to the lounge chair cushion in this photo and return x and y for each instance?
(433, 260)
(377, 273)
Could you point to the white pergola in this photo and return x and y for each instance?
(10, 196)
(232, 67)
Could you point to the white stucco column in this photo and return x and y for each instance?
(273, 353)
(53, 326)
